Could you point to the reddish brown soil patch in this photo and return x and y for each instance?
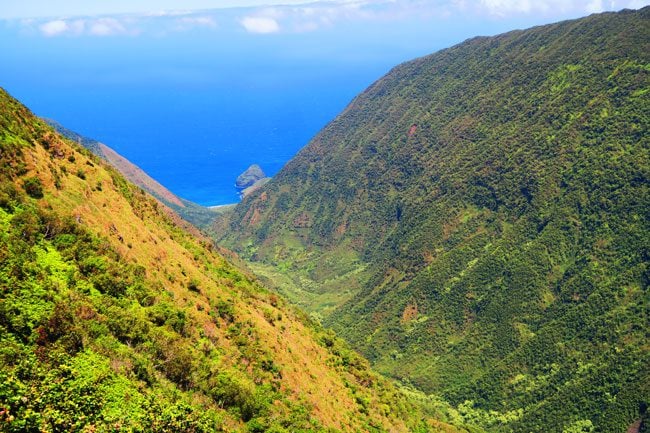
(635, 427)
(255, 219)
(413, 129)
(302, 221)
(410, 313)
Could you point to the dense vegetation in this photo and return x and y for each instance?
(477, 223)
(114, 318)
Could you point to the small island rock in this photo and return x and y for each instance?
(248, 178)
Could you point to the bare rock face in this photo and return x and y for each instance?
(250, 176)
(250, 180)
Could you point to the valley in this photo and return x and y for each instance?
(475, 223)
(463, 249)
(116, 315)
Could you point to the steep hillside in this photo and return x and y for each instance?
(200, 216)
(477, 223)
(114, 318)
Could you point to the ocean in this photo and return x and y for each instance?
(194, 108)
(192, 116)
(197, 141)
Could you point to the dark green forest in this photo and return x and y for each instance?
(476, 223)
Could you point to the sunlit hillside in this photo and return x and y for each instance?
(115, 317)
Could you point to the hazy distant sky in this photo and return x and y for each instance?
(133, 18)
(12, 9)
(49, 8)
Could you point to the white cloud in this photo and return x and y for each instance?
(44, 9)
(595, 6)
(95, 27)
(509, 7)
(314, 16)
(637, 4)
(263, 25)
(167, 13)
(54, 28)
(506, 8)
(311, 15)
(106, 27)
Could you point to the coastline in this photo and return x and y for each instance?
(220, 208)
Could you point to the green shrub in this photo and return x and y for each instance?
(193, 285)
(33, 187)
(225, 310)
(232, 390)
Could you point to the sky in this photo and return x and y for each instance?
(194, 95)
(105, 18)
(45, 8)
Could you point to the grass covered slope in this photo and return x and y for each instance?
(200, 216)
(114, 318)
(490, 206)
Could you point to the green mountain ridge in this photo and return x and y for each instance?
(476, 223)
(114, 317)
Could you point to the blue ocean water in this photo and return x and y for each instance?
(197, 141)
(192, 114)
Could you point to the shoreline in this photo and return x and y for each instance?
(221, 206)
